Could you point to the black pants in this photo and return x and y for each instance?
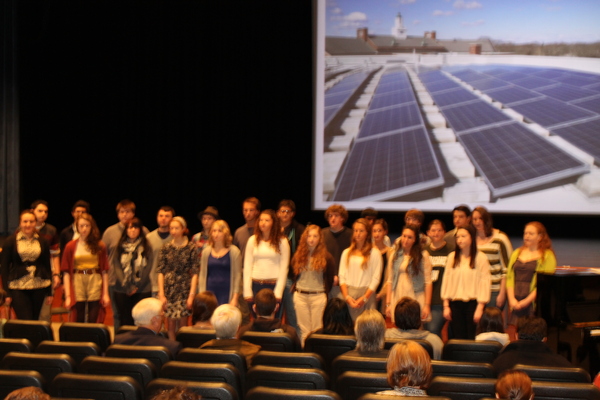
(92, 312)
(462, 323)
(28, 303)
(125, 304)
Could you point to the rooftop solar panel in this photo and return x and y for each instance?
(584, 135)
(534, 82)
(432, 76)
(390, 120)
(440, 85)
(337, 96)
(565, 93)
(473, 115)
(511, 158)
(512, 94)
(398, 77)
(389, 166)
(488, 84)
(453, 97)
(591, 104)
(468, 75)
(576, 80)
(511, 76)
(392, 87)
(391, 99)
(550, 73)
(549, 112)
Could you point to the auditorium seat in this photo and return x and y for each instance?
(77, 350)
(271, 341)
(267, 393)
(207, 390)
(20, 345)
(346, 363)
(98, 387)
(459, 388)
(158, 355)
(329, 346)
(140, 369)
(353, 384)
(85, 332)
(289, 360)
(189, 336)
(484, 351)
(13, 380)
(125, 329)
(212, 356)
(389, 343)
(373, 396)
(462, 369)
(48, 365)
(565, 391)
(286, 378)
(555, 374)
(34, 331)
(203, 372)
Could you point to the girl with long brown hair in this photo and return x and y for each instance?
(360, 270)
(314, 269)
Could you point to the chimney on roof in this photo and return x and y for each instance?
(430, 35)
(475, 48)
(362, 34)
(433, 35)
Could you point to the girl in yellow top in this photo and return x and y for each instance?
(536, 255)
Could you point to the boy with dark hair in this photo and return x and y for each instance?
(337, 239)
(70, 233)
(461, 217)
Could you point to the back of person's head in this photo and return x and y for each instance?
(176, 393)
(407, 314)
(27, 393)
(226, 320)
(336, 318)
(514, 385)
(370, 331)
(491, 321)
(145, 310)
(532, 328)
(203, 306)
(265, 302)
(369, 213)
(408, 364)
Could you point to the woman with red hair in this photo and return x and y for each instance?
(536, 255)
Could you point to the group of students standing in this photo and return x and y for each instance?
(453, 275)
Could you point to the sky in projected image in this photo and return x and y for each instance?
(518, 21)
(414, 120)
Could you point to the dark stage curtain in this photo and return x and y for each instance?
(9, 120)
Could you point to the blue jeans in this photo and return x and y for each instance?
(288, 305)
(437, 320)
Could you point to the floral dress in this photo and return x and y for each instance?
(178, 265)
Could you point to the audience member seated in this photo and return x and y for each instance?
(407, 315)
(336, 319)
(491, 326)
(177, 393)
(148, 316)
(28, 393)
(530, 348)
(203, 307)
(265, 307)
(226, 321)
(370, 330)
(408, 370)
(514, 385)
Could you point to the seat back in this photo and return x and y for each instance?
(389, 343)
(555, 374)
(202, 372)
(565, 390)
(13, 380)
(272, 341)
(85, 332)
(48, 365)
(21, 345)
(212, 356)
(125, 329)
(471, 350)
(77, 350)
(98, 387)
(267, 393)
(189, 336)
(157, 355)
(374, 396)
(345, 363)
(207, 390)
(140, 369)
(458, 388)
(289, 360)
(329, 346)
(286, 378)
(34, 331)
(462, 368)
(353, 384)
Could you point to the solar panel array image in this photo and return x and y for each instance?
(338, 95)
(392, 155)
(510, 157)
